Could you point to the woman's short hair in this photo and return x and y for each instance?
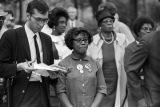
(40, 5)
(139, 22)
(74, 32)
(55, 14)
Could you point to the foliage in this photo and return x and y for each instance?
(9, 1)
(154, 11)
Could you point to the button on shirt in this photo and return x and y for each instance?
(30, 36)
(81, 88)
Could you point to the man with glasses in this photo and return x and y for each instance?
(21, 48)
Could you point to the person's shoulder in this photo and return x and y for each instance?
(80, 23)
(121, 27)
(45, 35)
(65, 61)
(96, 36)
(11, 33)
(96, 39)
(120, 37)
(131, 46)
(121, 24)
(94, 62)
(92, 59)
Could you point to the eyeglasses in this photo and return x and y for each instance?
(81, 40)
(38, 19)
(2, 18)
(147, 28)
(108, 21)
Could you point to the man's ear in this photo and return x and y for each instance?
(28, 16)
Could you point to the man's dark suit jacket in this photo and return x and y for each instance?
(14, 48)
(131, 100)
(146, 56)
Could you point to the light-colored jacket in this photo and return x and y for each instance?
(95, 51)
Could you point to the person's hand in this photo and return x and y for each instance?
(26, 66)
(142, 103)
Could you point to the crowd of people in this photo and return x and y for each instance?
(117, 67)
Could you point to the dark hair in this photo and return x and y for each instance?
(40, 5)
(10, 12)
(108, 6)
(55, 14)
(2, 18)
(73, 32)
(138, 23)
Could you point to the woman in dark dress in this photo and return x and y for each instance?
(108, 48)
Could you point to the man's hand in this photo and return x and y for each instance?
(26, 66)
(142, 103)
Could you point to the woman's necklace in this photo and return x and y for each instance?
(103, 38)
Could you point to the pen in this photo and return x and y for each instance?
(32, 71)
(27, 62)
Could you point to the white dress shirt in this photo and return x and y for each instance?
(72, 23)
(30, 36)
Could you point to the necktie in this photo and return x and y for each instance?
(72, 24)
(37, 49)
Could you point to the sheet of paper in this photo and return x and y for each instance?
(43, 66)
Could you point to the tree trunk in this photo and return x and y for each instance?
(20, 12)
(133, 10)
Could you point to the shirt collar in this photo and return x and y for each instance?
(29, 32)
(72, 21)
(86, 58)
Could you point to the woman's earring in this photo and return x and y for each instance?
(54, 28)
(99, 29)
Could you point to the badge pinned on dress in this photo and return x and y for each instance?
(80, 68)
(88, 66)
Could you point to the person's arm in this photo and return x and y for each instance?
(101, 87)
(8, 66)
(97, 100)
(61, 87)
(61, 90)
(134, 60)
(64, 100)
